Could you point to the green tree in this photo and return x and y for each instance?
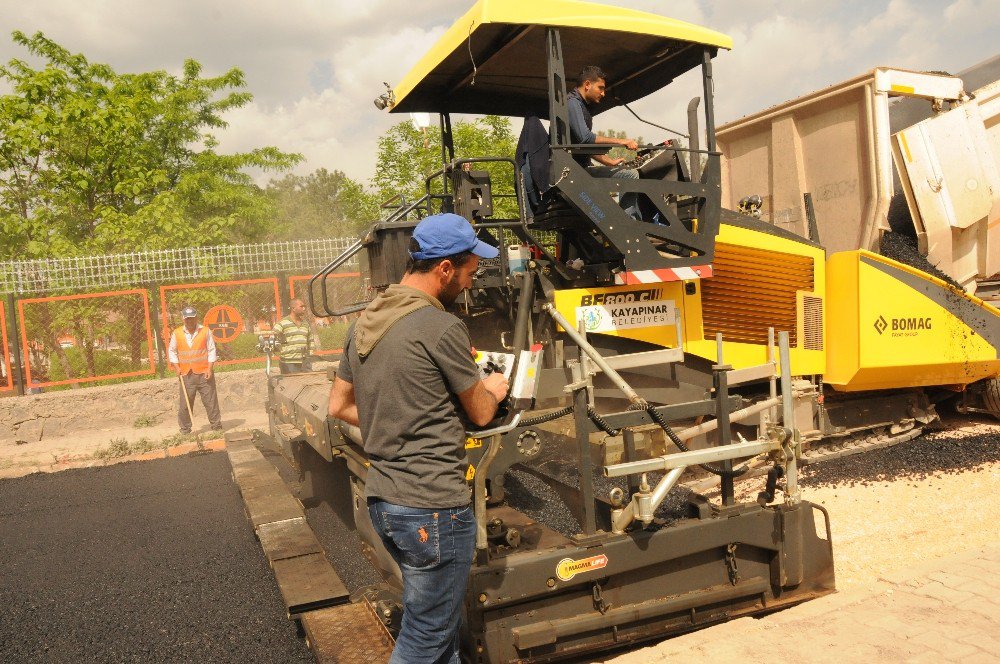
(619, 152)
(96, 161)
(321, 204)
(408, 154)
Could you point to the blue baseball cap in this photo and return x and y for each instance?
(447, 234)
(189, 312)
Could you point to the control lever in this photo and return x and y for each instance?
(268, 344)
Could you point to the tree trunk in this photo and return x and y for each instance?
(86, 340)
(50, 337)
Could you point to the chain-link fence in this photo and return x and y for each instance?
(235, 311)
(84, 338)
(114, 271)
(103, 319)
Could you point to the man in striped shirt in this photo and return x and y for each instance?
(297, 340)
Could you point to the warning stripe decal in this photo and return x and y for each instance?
(665, 274)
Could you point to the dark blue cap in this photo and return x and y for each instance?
(189, 312)
(447, 234)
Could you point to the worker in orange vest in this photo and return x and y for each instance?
(192, 354)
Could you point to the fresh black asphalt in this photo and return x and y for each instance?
(148, 561)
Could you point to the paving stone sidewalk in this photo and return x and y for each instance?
(947, 611)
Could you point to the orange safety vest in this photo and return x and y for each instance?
(194, 357)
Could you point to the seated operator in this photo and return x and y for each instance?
(589, 91)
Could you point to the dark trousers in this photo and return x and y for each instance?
(196, 383)
(295, 367)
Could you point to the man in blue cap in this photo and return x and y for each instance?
(408, 379)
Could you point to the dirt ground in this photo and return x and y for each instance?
(887, 517)
(101, 446)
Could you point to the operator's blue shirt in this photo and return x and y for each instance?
(581, 123)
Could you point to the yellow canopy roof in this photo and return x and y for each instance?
(492, 60)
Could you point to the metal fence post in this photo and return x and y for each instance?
(154, 314)
(14, 339)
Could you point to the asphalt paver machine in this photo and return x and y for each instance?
(625, 374)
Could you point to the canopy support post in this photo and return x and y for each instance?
(558, 112)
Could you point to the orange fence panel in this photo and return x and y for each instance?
(6, 353)
(69, 339)
(234, 310)
(342, 288)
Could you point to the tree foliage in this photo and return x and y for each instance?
(619, 152)
(407, 154)
(321, 204)
(96, 161)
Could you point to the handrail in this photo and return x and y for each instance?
(458, 163)
(325, 272)
(582, 147)
(403, 211)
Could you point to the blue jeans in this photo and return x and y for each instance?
(629, 201)
(433, 548)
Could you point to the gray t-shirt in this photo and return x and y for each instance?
(411, 418)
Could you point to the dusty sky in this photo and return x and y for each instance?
(314, 67)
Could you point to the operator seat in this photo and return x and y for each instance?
(546, 209)
(532, 161)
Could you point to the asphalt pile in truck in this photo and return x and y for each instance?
(901, 243)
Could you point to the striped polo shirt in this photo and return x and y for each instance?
(297, 341)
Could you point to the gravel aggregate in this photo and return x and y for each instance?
(139, 562)
(897, 508)
(942, 452)
(533, 496)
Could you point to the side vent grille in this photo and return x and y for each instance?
(812, 322)
(752, 290)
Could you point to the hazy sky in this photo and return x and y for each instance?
(314, 67)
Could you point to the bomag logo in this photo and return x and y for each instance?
(621, 298)
(903, 327)
(568, 568)
(880, 325)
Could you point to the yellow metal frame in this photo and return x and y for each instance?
(804, 362)
(884, 334)
(554, 13)
(739, 355)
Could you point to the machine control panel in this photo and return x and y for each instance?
(490, 362)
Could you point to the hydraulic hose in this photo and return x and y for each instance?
(662, 423)
(712, 468)
(602, 424)
(548, 417)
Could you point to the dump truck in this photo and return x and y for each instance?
(691, 343)
(845, 166)
(935, 183)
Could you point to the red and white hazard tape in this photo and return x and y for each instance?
(664, 274)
